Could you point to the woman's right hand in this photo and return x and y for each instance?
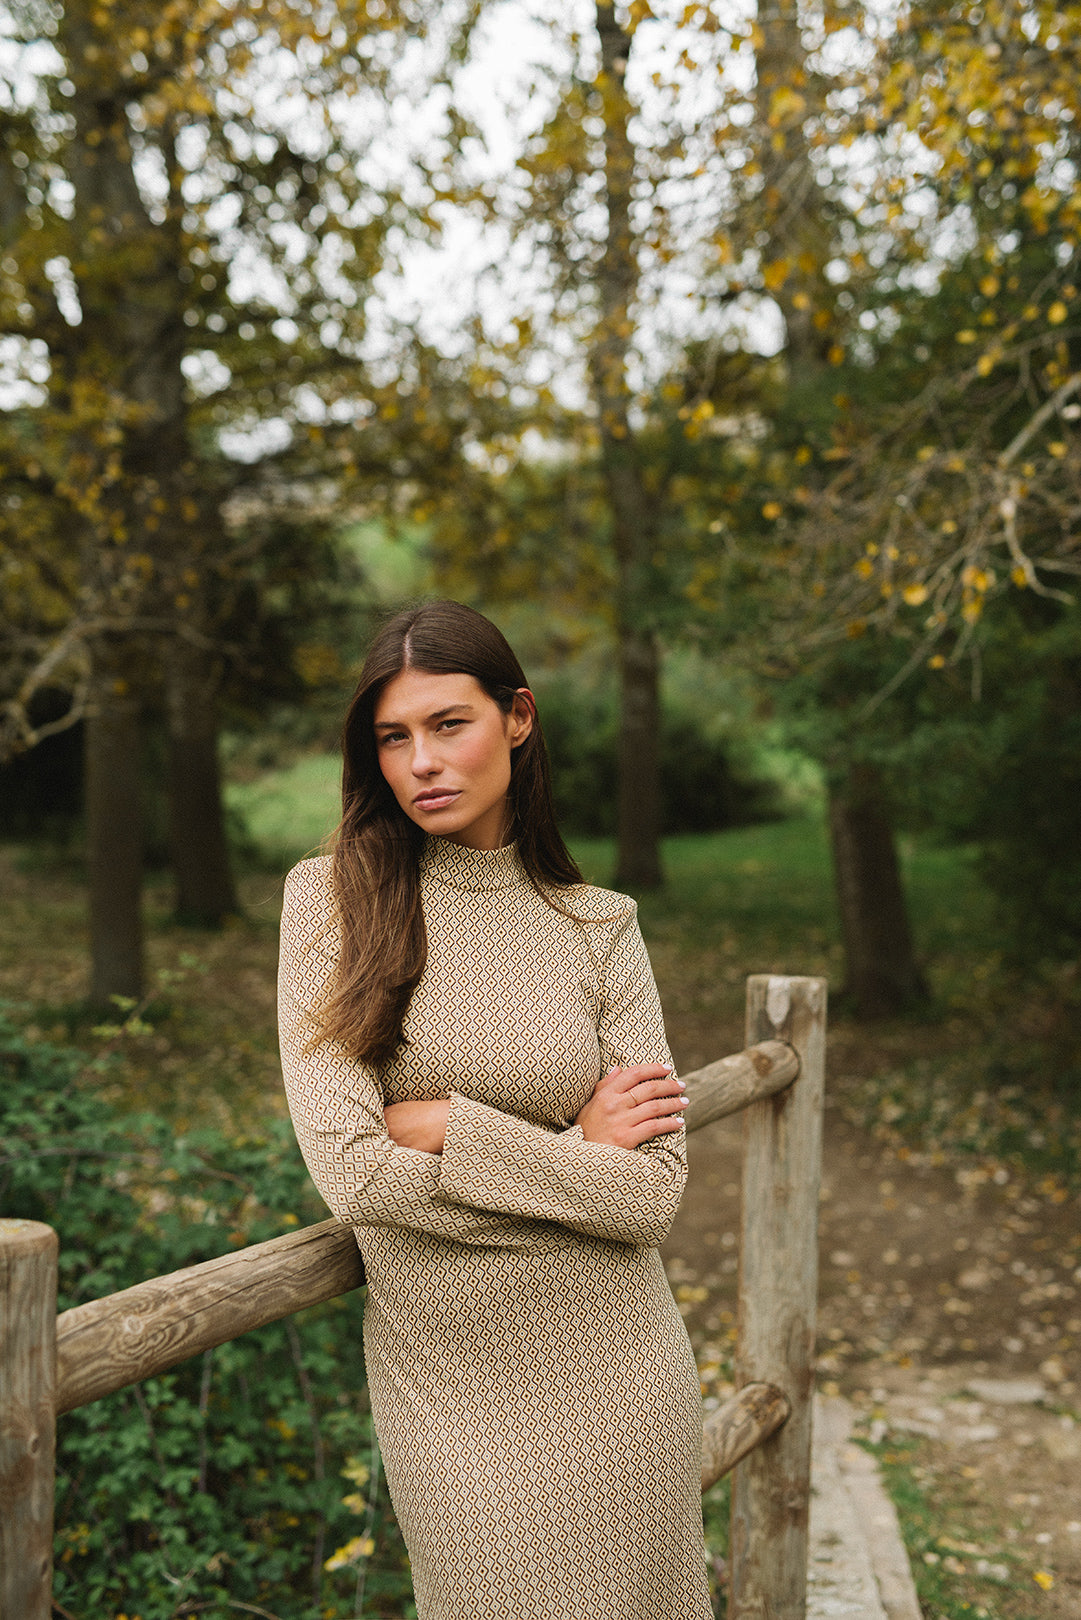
(632, 1106)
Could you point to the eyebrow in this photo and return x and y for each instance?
(438, 714)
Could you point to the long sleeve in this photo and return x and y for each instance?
(495, 1161)
(337, 1107)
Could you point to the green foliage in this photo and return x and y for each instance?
(238, 1478)
(1024, 802)
(705, 783)
(947, 1587)
(716, 1513)
(286, 813)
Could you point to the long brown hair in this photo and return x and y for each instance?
(376, 855)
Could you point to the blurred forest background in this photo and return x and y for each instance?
(730, 358)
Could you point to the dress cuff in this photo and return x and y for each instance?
(484, 1150)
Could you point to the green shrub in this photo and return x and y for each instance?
(237, 1477)
(706, 785)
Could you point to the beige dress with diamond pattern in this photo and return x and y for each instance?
(532, 1384)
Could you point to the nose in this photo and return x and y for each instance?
(424, 761)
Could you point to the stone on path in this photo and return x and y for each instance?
(1007, 1391)
(858, 1568)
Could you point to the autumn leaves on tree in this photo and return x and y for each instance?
(186, 248)
(775, 353)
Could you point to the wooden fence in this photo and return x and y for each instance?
(51, 1364)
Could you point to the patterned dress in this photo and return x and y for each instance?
(532, 1384)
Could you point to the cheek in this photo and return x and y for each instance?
(390, 775)
(486, 757)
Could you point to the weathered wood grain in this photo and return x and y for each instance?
(107, 1343)
(733, 1431)
(782, 1152)
(733, 1082)
(28, 1251)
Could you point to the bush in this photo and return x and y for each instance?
(236, 1478)
(705, 785)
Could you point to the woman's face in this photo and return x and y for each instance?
(444, 747)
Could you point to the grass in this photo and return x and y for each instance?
(960, 1567)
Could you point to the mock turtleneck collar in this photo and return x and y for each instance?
(462, 868)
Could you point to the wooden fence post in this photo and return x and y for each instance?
(28, 1251)
(782, 1154)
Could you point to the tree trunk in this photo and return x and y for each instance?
(114, 843)
(638, 860)
(638, 863)
(882, 977)
(205, 890)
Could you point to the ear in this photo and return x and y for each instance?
(523, 711)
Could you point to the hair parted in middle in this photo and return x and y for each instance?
(376, 850)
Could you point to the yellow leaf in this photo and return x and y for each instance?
(966, 335)
(915, 595)
(772, 510)
(352, 1552)
(1018, 575)
(1057, 449)
(1057, 313)
(836, 354)
(775, 275)
(865, 568)
(1043, 1580)
(936, 661)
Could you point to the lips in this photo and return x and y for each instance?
(436, 800)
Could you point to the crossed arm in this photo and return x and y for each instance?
(458, 1168)
(628, 1107)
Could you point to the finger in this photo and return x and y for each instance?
(650, 1129)
(659, 1108)
(627, 1079)
(670, 1086)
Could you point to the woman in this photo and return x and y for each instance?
(476, 1068)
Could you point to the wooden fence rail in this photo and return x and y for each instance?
(51, 1365)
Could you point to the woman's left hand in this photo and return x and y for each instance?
(418, 1125)
(632, 1106)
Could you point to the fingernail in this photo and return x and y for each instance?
(682, 1083)
(684, 1102)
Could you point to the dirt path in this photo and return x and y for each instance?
(951, 1317)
